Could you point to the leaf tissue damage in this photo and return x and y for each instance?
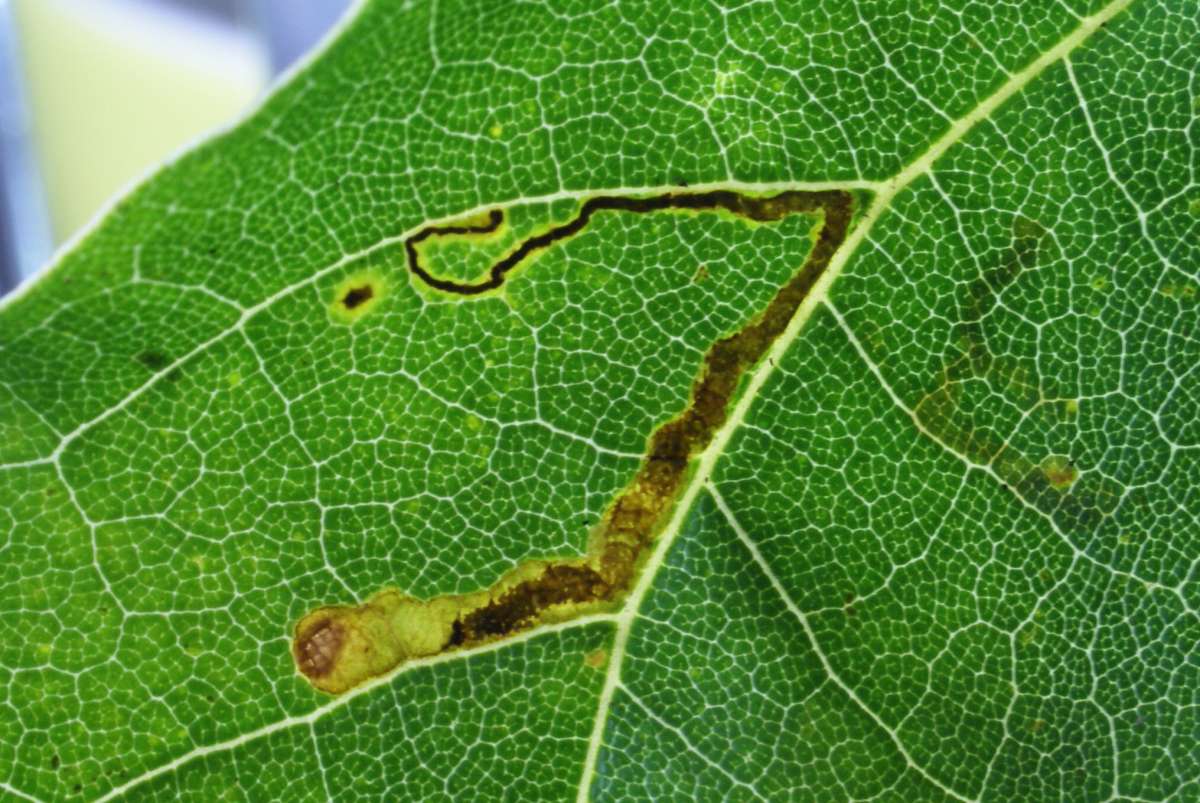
(357, 296)
(339, 647)
(1049, 482)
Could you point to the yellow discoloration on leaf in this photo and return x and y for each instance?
(1059, 472)
(357, 295)
(1185, 290)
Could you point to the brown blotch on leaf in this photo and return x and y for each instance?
(596, 659)
(317, 650)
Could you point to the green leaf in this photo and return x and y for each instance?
(808, 410)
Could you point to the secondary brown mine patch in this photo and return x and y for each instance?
(975, 357)
(1059, 472)
(596, 659)
(392, 628)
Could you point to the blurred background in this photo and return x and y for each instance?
(94, 92)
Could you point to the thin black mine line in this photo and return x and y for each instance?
(759, 209)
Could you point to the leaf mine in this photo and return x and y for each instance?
(356, 296)
(339, 647)
(973, 369)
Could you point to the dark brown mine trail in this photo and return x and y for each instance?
(339, 647)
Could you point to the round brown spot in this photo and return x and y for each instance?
(316, 652)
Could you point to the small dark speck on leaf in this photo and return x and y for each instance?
(154, 360)
(357, 296)
(55, 761)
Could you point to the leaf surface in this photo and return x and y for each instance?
(874, 480)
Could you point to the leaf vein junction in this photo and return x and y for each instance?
(830, 672)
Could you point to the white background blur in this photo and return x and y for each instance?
(94, 92)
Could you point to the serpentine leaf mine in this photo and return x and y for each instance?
(338, 647)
